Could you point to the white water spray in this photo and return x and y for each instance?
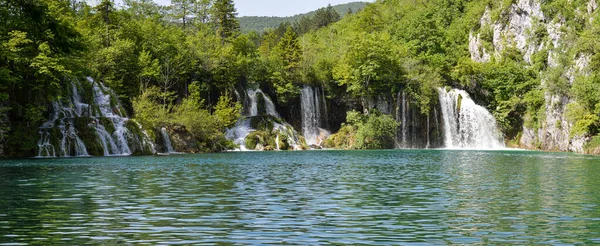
(466, 124)
(312, 104)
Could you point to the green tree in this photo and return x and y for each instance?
(288, 56)
(104, 11)
(224, 18)
(182, 9)
(370, 66)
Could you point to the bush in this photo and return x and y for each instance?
(265, 139)
(379, 132)
(343, 139)
(593, 147)
(206, 128)
(376, 131)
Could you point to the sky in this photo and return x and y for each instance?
(277, 7)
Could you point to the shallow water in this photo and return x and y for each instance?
(312, 197)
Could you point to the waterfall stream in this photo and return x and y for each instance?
(466, 124)
(252, 101)
(102, 115)
(167, 141)
(312, 104)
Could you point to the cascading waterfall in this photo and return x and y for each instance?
(103, 116)
(466, 124)
(252, 108)
(167, 140)
(253, 95)
(112, 111)
(312, 103)
(63, 119)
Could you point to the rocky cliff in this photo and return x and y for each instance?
(524, 25)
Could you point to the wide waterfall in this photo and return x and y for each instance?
(102, 121)
(466, 124)
(314, 115)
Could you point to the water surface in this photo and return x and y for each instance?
(315, 197)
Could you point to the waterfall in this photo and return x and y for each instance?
(466, 124)
(312, 104)
(239, 133)
(251, 109)
(68, 142)
(255, 96)
(291, 134)
(111, 110)
(404, 124)
(102, 117)
(252, 101)
(167, 140)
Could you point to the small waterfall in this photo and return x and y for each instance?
(167, 140)
(466, 124)
(312, 104)
(255, 97)
(102, 117)
(417, 129)
(239, 133)
(292, 135)
(404, 124)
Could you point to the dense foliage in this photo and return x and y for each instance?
(375, 131)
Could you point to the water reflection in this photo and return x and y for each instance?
(361, 197)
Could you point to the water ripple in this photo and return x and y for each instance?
(320, 197)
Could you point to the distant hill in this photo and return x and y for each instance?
(260, 23)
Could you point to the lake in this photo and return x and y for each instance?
(310, 197)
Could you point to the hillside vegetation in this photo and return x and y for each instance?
(261, 23)
(534, 64)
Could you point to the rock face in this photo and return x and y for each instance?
(182, 140)
(516, 28)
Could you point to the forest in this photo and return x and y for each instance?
(261, 23)
(183, 65)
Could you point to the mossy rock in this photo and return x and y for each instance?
(136, 139)
(283, 142)
(264, 122)
(85, 90)
(261, 138)
(261, 105)
(88, 135)
(459, 103)
(302, 142)
(82, 122)
(108, 124)
(253, 139)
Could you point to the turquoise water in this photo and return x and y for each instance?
(312, 197)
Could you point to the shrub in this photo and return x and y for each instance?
(376, 131)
